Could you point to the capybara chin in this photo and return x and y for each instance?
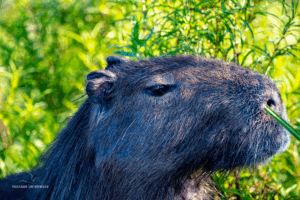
(148, 127)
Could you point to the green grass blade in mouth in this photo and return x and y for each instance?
(286, 125)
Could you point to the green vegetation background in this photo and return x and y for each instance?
(47, 47)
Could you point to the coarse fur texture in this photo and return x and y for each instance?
(155, 129)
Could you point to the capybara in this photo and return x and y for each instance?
(148, 127)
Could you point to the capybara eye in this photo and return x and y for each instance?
(159, 90)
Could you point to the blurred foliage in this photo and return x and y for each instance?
(47, 47)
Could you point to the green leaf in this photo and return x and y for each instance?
(286, 125)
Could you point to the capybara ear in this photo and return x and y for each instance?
(114, 60)
(100, 86)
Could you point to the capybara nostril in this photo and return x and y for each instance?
(270, 97)
(271, 103)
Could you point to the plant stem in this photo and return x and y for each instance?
(286, 125)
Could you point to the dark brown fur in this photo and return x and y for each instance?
(148, 128)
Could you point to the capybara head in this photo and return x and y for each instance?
(147, 128)
(162, 119)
